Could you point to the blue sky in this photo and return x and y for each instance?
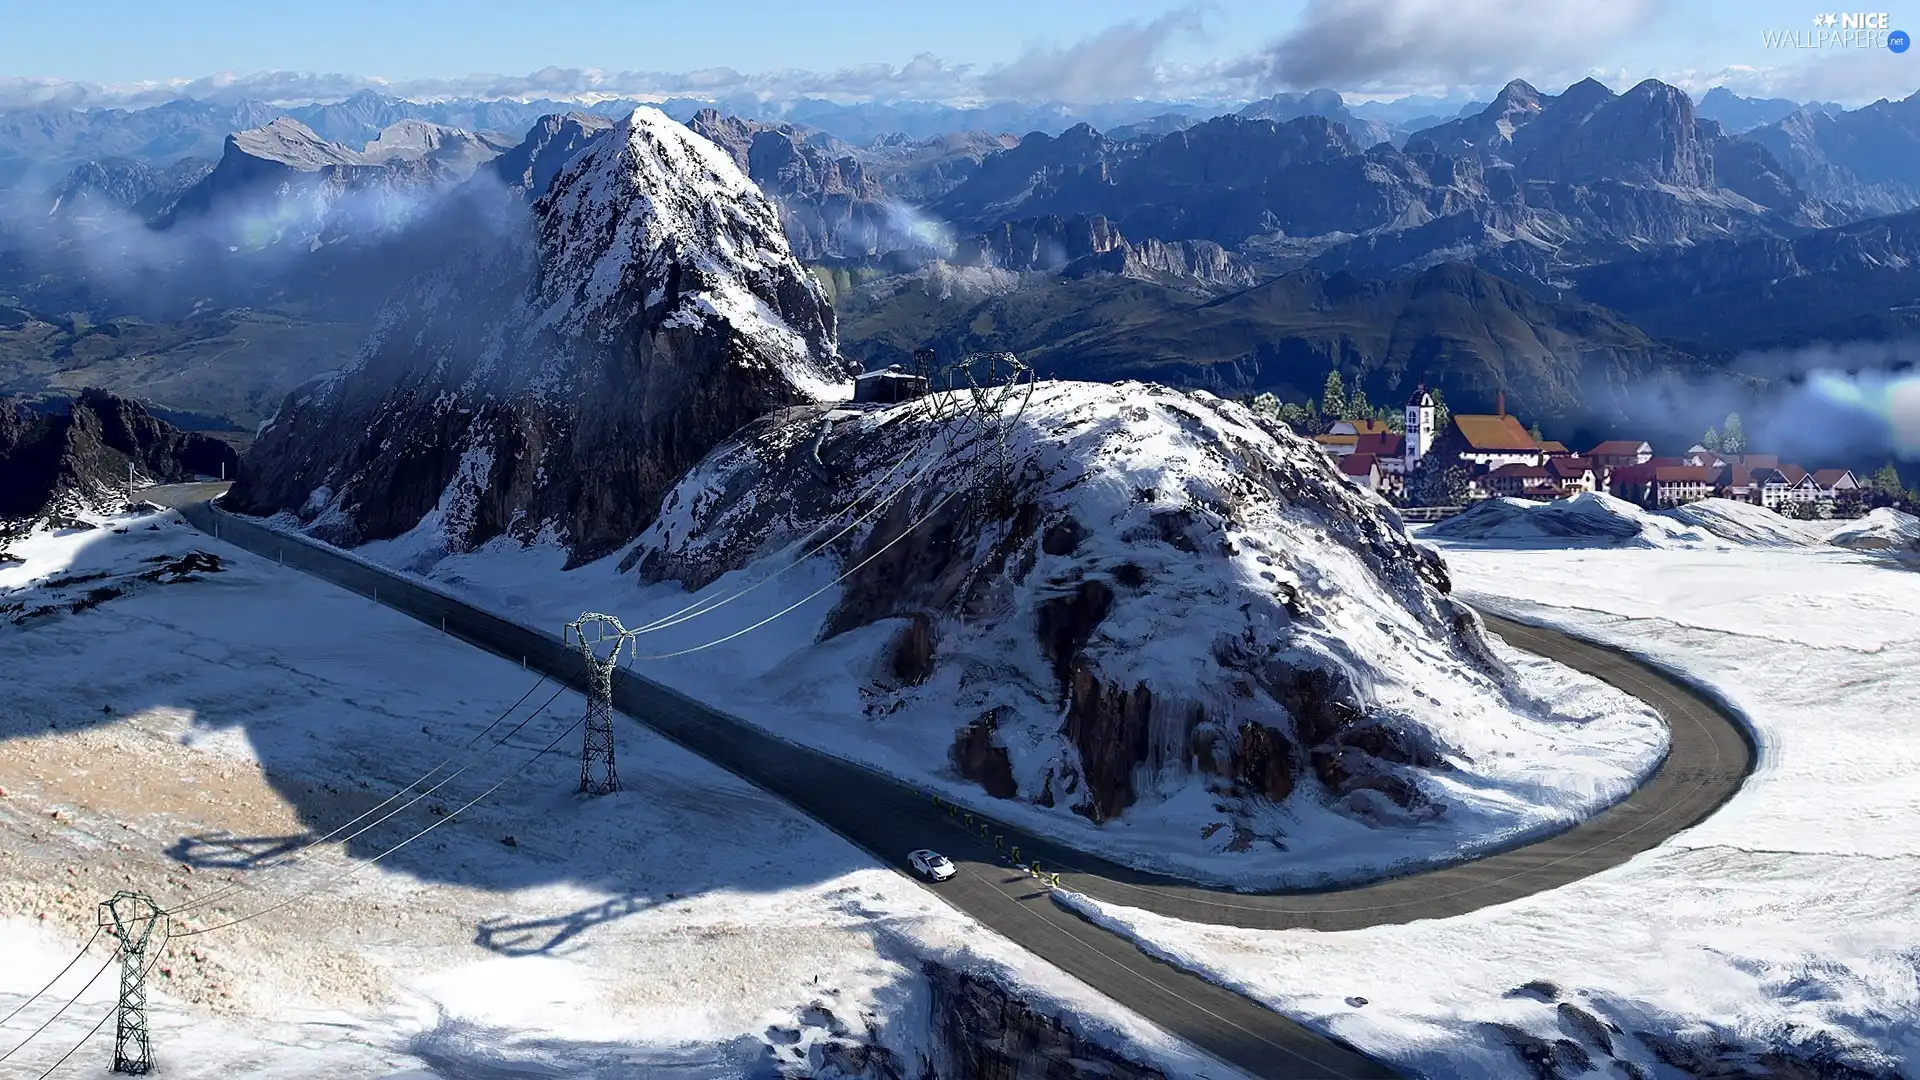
(1071, 49)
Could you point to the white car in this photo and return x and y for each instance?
(931, 864)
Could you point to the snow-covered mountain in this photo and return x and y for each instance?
(1596, 519)
(558, 379)
(1182, 623)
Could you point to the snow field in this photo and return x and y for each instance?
(666, 929)
(1786, 921)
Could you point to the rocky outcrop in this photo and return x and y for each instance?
(1039, 244)
(981, 1031)
(1574, 178)
(559, 380)
(78, 458)
(125, 185)
(529, 168)
(1127, 622)
(829, 205)
(1868, 158)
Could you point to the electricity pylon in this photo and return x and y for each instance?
(133, 918)
(590, 631)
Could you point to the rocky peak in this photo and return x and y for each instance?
(286, 141)
(556, 382)
(76, 457)
(530, 167)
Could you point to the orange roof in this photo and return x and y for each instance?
(1484, 432)
(1336, 440)
(1553, 447)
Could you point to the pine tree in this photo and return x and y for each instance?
(1733, 440)
(1887, 480)
(1333, 400)
(1441, 414)
(1266, 404)
(1535, 432)
(1711, 440)
(1358, 407)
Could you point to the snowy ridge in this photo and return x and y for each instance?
(1884, 529)
(1230, 558)
(655, 210)
(1595, 518)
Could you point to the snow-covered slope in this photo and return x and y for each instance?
(1183, 625)
(1884, 529)
(558, 379)
(1595, 518)
(1777, 939)
(289, 142)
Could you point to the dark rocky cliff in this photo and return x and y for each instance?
(77, 459)
(559, 380)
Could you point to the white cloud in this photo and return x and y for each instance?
(1405, 44)
(1116, 63)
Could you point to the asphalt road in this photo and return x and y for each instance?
(1710, 757)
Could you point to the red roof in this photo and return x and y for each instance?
(1357, 464)
(1618, 448)
(1382, 444)
(1627, 475)
(1682, 474)
(1569, 468)
(1756, 461)
(1826, 478)
(1665, 461)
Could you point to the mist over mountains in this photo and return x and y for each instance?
(1635, 232)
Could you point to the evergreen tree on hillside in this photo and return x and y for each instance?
(1441, 414)
(1333, 400)
(1711, 440)
(1887, 480)
(1535, 432)
(1358, 407)
(1733, 439)
(1267, 404)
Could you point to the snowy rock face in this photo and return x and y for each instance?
(558, 379)
(1172, 597)
(1884, 529)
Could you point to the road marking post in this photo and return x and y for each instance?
(1016, 853)
(1055, 883)
(999, 842)
(1035, 868)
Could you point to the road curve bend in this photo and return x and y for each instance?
(1710, 757)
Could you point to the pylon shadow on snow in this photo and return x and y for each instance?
(224, 851)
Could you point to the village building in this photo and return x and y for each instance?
(1516, 481)
(1553, 448)
(1417, 424)
(1676, 484)
(1572, 475)
(1832, 482)
(1337, 446)
(1362, 469)
(1359, 427)
(1620, 453)
(1484, 443)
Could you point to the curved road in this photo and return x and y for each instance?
(1711, 756)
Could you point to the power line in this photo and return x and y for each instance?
(243, 885)
(38, 994)
(48, 1022)
(358, 867)
(702, 607)
(842, 576)
(102, 1022)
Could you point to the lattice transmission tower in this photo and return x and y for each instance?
(134, 920)
(591, 632)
